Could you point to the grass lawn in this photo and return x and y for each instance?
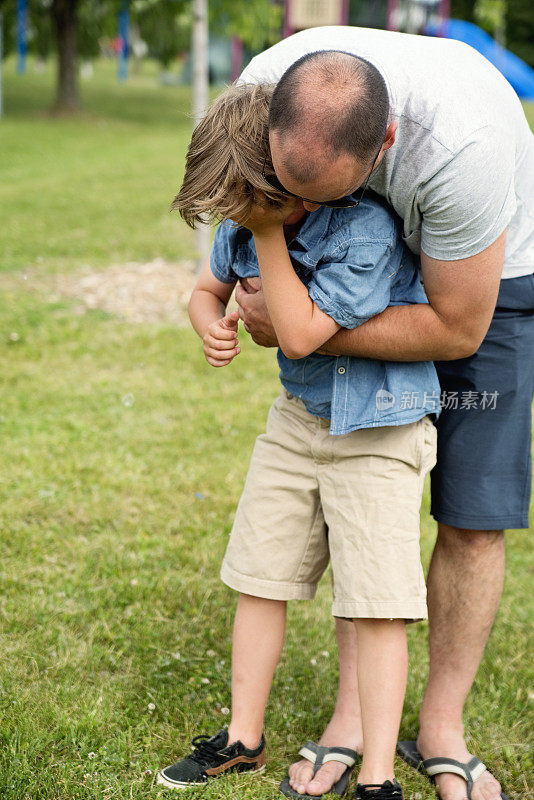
(122, 458)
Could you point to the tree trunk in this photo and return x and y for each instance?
(64, 18)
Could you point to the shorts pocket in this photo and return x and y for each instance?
(429, 443)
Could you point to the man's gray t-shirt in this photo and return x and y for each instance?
(462, 166)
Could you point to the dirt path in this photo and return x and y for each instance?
(157, 291)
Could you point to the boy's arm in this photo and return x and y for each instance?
(461, 294)
(301, 327)
(207, 308)
(209, 300)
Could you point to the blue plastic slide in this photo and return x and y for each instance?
(514, 69)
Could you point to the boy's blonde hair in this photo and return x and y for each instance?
(226, 156)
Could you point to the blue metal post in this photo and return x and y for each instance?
(1, 60)
(22, 24)
(124, 38)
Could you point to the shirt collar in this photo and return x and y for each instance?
(314, 228)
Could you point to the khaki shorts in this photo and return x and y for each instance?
(310, 497)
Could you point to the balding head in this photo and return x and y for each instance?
(326, 105)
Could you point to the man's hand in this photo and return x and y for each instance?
(253, 312)
(220, 341)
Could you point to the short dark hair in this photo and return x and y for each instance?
(360, 126)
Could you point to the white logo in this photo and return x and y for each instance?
(384, 400)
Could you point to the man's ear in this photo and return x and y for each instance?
(389, 138)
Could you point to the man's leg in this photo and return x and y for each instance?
(259, 630)
(345, 726)
(464, 588)
(481, 485)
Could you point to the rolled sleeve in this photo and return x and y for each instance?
(357, 287)
(223, 252)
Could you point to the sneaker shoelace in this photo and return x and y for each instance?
(373, 791)
(203, 750)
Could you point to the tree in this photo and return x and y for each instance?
(520, 29)
(258, 24)
(165, 25)
(65, 21)
(490, 15)
(519, 21)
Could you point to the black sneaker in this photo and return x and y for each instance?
(389, 790)
(212, 757)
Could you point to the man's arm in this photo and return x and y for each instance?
(462, 296)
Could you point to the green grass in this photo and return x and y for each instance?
(114, 515)
(97, 188)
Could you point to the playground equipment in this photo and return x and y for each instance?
(300, 14)
(123, 31)
(514, 69)
(413, 16)
(22, 35)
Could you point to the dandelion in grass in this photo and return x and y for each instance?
(91, 755)
(225, 711)
(151, 708)
(176, 656)
(313, 662)
(211, 653)
(128, 400)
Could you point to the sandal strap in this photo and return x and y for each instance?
(343, 754)
(469, 771)
(319, 755)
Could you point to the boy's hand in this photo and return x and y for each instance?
(265, 217)
(220, 341)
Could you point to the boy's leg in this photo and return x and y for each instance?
(382, 673)
(259, 630)
(345, 726)
(258, 638)
(371, 483)
(373, 667)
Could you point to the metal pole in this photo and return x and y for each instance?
(444, 12)
(411, 16)
(236, 57)
(392, 15)
(124, 39)
(1, 59)
(22, 24)
(200, 101)
(287, 29)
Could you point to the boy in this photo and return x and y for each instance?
(339, 472)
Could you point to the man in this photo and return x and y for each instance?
(455, 158)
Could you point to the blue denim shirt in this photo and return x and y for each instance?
(354, 265)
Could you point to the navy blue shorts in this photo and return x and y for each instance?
(482, 479)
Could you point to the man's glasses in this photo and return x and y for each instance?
(341, 202)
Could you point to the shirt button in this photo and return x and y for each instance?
(341, 370)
